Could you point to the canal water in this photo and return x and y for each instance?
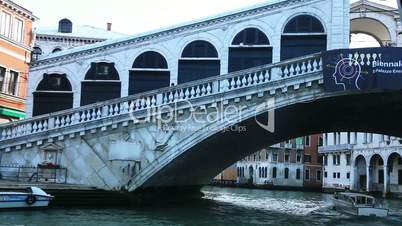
(220, 206)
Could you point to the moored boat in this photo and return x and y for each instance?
(358, 204)
(33, 197)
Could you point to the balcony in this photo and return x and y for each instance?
(335, 148)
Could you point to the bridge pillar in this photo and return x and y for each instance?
(385, 180)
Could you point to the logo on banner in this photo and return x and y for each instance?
(347, 74)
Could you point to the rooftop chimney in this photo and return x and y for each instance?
(109, 27)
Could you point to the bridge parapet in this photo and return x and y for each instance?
(75, 120)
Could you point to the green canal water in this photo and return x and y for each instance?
(220, 206)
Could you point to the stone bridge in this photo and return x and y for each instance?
(185, 135)
(197, 98)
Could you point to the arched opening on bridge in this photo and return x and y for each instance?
(376, 173)
(303, 35)
(101, 83)
(361, 173)
(54, 93)
(394, 176)
(150, 71)
(361, 40)
(250, 48)
(199, 60)
(373, 28)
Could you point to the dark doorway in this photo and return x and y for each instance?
(199, 60)
(150, 71)
(303, 35)
(54, 93)
(101, 83)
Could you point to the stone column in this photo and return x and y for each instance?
(368, 178)
(353, 181)
(385, 180)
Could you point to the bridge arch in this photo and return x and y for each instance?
(199, 59)
(150, 71)
(101, 82)
(250, 47)
(303, 34)
(373, 27)
(229, 147)
(376, 171)
(361, 164)
(53, 93)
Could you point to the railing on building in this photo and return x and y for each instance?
(31, 174)
(140, 103)
(335, 148)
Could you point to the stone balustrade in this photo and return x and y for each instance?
(158, 98)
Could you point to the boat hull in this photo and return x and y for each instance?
(22, 201)
(345, 207)
(378, 212)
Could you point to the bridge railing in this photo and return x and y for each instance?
(152, 99)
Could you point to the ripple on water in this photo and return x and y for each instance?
(287, 205)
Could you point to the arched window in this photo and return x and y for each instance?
(199, 60)
(302, 35)
(54, 93)
(65, 26)
(274, 172)
(266, 172)
(150, 71)
(298, 175)
(250, 48)
(56, 50)
(259, 172)
(101, 83)
(286, 173)
(250, 171)
(36, 53)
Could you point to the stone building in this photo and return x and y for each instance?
(66, 35)
(312, 162)
(16, 41)
(292, 164)
(363, 162)
(278, 166)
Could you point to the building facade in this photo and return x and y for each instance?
(312, 162)
(16, 41)
(66, 35)
(362, 162)
(279, 166)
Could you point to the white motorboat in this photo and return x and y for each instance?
(358, 204)
(33, 197)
